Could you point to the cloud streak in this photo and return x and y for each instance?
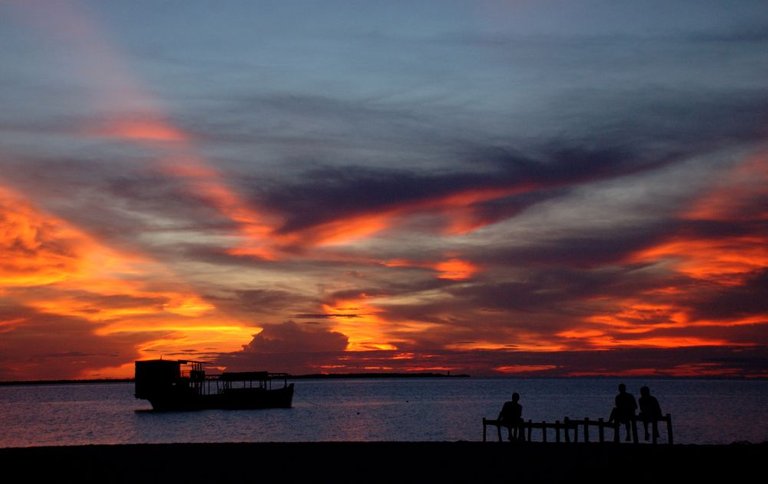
(492, 190)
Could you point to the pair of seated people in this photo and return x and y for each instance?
(625, 406)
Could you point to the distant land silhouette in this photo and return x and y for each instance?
(308, 376)
(378, 375)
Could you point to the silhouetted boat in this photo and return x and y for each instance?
(183, 385)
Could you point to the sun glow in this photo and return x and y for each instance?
(359, 321)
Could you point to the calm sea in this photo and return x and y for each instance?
(417, 409)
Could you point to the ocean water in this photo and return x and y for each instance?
(402, 409)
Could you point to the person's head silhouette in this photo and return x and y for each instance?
(515, 397)
(622, 388)
(645, 391)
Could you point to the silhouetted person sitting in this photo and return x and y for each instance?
(511, 416)
(650, 411)
(624, 409)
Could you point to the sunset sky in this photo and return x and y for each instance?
(533, 188)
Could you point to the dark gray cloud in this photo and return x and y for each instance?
(330, 193)
(290, 347)
(749, 299)
(265, 305)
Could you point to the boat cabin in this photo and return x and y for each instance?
(183, 384)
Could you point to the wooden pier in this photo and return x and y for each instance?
(568, 430)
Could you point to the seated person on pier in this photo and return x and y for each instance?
(650, 411)
(511, 416)
(624, 409)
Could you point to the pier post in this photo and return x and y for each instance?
(586, 429)
(669, 428)
(600, 430)
(634, 431)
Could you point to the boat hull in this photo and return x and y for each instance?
(232, 399)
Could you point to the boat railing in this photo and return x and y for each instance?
(203, 383)
(251, 379)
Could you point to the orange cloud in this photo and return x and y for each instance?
(359, 321)
(725, 260)
(37, 249)
(456, 208)
(140, 118)
(58, 270)
(145, 130)
(518, 369)
(254, 235)
(523, 341)
(637, 324)
(455, 269)
(740, 195)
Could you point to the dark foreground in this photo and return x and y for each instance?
(391, 462)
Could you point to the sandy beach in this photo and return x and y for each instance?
(394, 462)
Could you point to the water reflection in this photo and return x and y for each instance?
(449, 409)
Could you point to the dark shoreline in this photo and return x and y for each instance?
(393, 462)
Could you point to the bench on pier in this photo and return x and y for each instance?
(568, 430)
(517, 433)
